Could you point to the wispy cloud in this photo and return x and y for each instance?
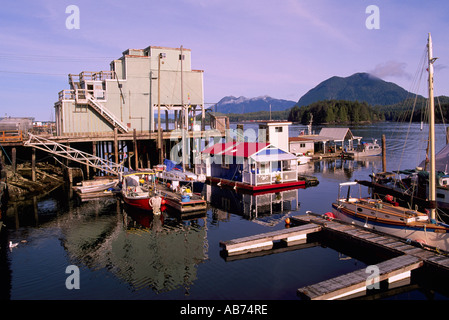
(392, 69)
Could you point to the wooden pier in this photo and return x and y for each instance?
(395, 271)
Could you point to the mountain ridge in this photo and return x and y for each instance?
(361, 87)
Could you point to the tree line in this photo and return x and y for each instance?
(342, 111)
(335, 112)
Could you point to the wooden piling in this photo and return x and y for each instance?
(14, 159)
(33, 164)
(115, 146)
(136, 154)
(384, 154)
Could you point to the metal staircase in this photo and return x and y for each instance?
(67, 152)
(106, 114)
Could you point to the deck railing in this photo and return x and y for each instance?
(269, 178)
(11, 136)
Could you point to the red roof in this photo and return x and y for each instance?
(242, 149)
(245, 149)
(218, 148)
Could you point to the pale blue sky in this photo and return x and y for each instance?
(246, 48)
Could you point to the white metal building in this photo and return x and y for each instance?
(128, 96)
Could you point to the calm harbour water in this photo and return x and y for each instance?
(122, 255)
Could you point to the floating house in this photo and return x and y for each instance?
(252, 166)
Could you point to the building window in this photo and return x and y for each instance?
(81, 108)
(302, 145)
(278, 129)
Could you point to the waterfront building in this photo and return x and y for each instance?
(129, 96)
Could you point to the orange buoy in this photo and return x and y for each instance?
(287, 221)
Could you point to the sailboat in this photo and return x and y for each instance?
(390, 218)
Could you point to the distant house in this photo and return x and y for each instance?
(338, 138)
(301, 145)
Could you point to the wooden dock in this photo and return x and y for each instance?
(356, 283)
(265, 241)
(395, 271)
(174, 200)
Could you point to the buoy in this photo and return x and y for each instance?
(329, 215)
(287, 221)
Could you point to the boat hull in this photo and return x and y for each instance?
(140, 203)
(435, 236)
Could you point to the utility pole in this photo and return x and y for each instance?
(159, 131)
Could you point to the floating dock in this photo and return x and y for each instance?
(266, 241)
(396, 271)
(175, 200)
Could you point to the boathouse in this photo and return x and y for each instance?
(334, 139)
(130, 95)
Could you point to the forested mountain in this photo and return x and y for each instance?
(361, 87)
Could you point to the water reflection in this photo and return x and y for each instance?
(143, 250)
(266, 208)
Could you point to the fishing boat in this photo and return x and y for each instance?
(366, 149)
(174, 174)
(392, 218)
(139, 191)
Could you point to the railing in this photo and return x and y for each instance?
(11, 136)
(81, 95)
(92, 76)
(269, 178)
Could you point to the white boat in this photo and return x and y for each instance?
(303, 159)
(96, 185)
(392, 219)
(366, 149)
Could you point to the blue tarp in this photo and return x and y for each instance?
(170, 165)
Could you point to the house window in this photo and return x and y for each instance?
(302, 145)
(278, 129)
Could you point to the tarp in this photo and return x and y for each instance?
(170, 165)
(441, 160)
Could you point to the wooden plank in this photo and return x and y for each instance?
(356, 281)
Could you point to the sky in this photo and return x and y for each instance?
(247, 48)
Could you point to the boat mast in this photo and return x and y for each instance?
(432, 178)
(184, 123)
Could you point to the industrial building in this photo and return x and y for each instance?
(130, 95)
